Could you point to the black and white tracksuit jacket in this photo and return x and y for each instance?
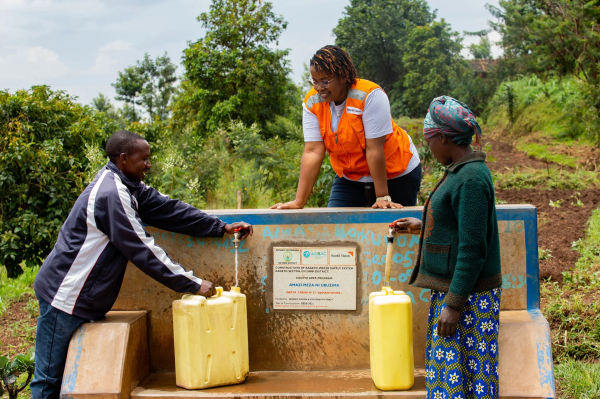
(83, 274)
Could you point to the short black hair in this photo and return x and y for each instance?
(335, 60)
(121, 142)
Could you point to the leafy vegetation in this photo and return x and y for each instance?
(42, 168)
(233, 73)
(433, 61)
(555, 38)
(10, 370)
(555, 106)
(372, 32)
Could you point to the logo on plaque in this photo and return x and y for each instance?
(287, 256)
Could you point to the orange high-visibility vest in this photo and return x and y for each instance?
(346, 147)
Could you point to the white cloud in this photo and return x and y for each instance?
(106, 61)
(117, 45)
(32, 64)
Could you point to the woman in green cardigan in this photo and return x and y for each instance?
(459, 260)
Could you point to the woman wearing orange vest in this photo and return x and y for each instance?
(375, 161)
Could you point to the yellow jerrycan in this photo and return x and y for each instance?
(391, 333)
(391, 336)
(211, 339)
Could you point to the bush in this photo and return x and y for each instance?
(11, 370)
(42, 168)
(557, 106)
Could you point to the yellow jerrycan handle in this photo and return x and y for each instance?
(218, 294)
(390, 291)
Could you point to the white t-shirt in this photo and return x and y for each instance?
(376, 118)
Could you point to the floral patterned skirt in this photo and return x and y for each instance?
(464, 366)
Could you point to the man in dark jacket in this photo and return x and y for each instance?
(81, 278)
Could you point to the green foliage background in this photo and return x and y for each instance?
(42, 168)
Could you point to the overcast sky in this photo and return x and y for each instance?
(79, 46)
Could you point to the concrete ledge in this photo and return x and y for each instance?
(288, 384)
(107, 358)
(525, 365)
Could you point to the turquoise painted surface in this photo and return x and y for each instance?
(70, 376)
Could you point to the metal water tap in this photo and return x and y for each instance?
(236, 237)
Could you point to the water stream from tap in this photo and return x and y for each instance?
(236, 267)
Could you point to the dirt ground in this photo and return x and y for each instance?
(558, 227)
(15, 339)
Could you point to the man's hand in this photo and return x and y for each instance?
(407, 225)
(207, 289)
(246, 229)
(288, 205)
(447, 322)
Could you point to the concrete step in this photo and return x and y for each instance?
(287, 384)
(275, 384)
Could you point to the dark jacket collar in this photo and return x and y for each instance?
(132, 185)
(476, 156)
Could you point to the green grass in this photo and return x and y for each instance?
(572, 308)
(545, 152)
(548, 179)
(577, 379)
(13, 290)
(548, 116)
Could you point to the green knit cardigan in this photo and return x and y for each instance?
(459, 247)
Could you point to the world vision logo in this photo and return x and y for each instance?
(307, 254)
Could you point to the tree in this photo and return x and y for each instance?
(103, 104)
(373, 32)
(159, 85)
(233, 73)
(483, 50)
(43, 137)
(150, 83)
(559, 35)
(129, 86)
(432, 58)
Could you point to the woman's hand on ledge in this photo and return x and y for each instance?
(383, 204)
(407, 225)
(288, 205)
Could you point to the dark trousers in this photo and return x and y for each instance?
(403, 190)
(54, 331)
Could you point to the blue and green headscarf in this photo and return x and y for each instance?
(451, 117)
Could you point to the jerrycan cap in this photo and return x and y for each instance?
(219, 292)
(389, 291)
(235, 289)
